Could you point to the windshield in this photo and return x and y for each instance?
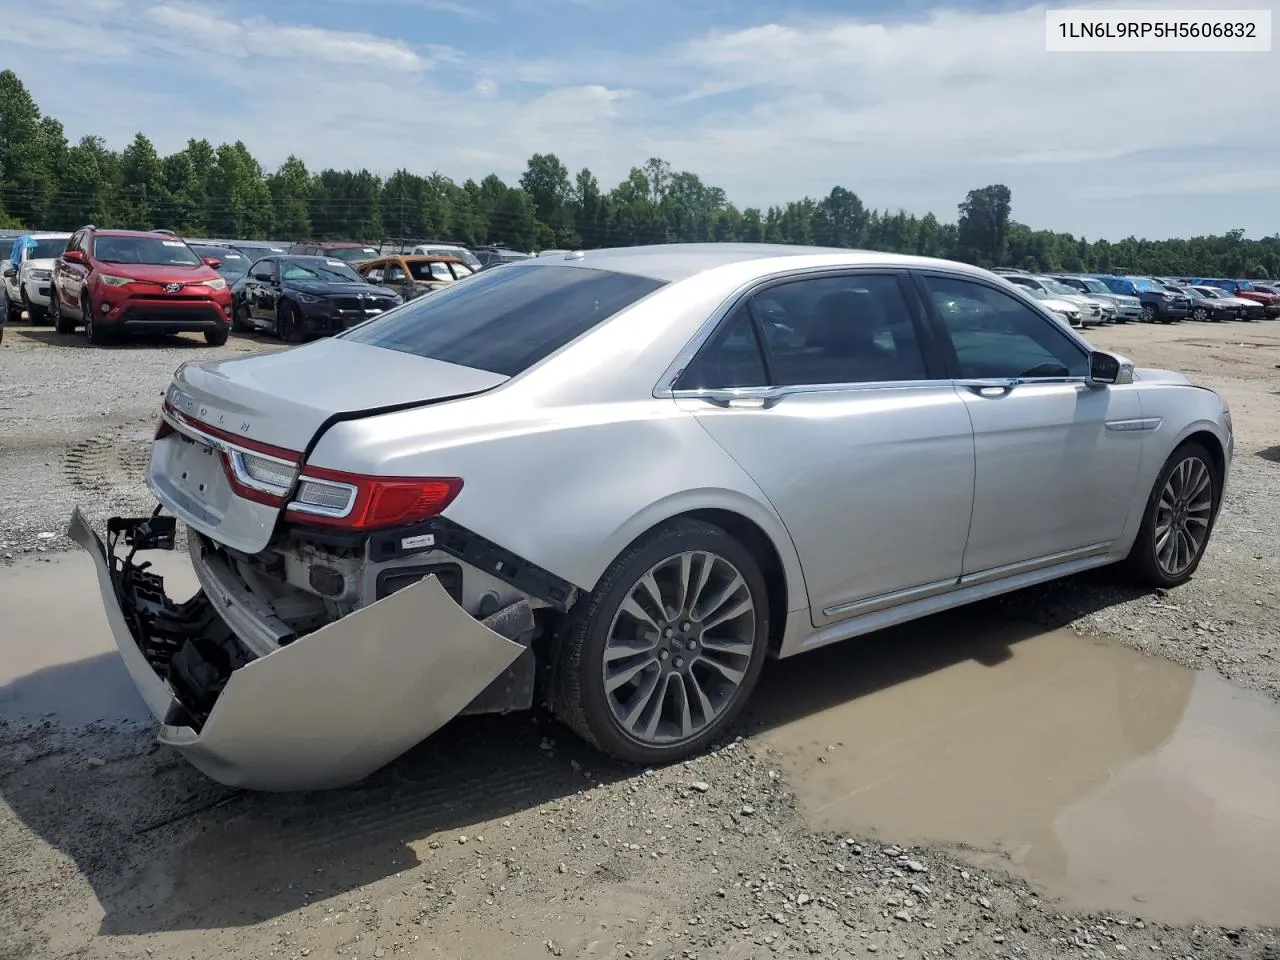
(466, 256)
(318, 270)
(505, 321)
(1053, 286)
(1094, 286)
(1211, 292)
(151, 250)
(46, 248)
(430, 270)
(352, 254)
(6, 246)
(1035, 292)
(231, 265)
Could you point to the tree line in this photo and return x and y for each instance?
(223, 191)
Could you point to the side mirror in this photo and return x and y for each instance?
(10, 271)
(1104, 368)
(213, 262)
(264, 277)
(73, 256)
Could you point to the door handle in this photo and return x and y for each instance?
(750, 402)
(988, 388)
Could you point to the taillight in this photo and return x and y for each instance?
(256, 471)
(357, 502)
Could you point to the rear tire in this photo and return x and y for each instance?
(640, 675)
(1179, 518)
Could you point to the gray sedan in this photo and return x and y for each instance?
(618, 482)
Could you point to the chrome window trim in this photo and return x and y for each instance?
(665, 387)
(318, 511)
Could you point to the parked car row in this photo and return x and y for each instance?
(120, 282)
(1120, 298)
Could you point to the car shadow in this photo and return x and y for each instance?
(52, 338)
(165, 848)
(77, 340)
(1271, 453)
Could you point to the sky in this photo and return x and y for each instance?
(908, 103)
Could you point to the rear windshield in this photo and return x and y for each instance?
(505, 321)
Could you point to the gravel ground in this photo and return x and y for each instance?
(506, 836)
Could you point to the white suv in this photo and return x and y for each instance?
(29, 272)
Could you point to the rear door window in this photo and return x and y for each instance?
(505, 321)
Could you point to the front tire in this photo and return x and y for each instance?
(12, 311)
(61, 323)
(288, 323)
(216, 338)
(92, 331)
(658, 660)
(1178, 519)
(1149, 313)
(1200, 313)
(240, 319)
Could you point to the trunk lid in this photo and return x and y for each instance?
(278, 403)
(283, 397)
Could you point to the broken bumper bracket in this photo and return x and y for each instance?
(332, 707)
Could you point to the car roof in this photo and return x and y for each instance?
(673, 262)
(416, 258)
(134, 233)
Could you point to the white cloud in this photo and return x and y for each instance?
(908, 114)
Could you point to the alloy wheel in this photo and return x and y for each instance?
(1183, 515)
(1148, 313)
(679, 648)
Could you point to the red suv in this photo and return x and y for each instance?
(128, 281)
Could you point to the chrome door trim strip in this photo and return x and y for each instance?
(872, 604)
(1036, 563)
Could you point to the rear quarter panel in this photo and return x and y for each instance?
(567, 488)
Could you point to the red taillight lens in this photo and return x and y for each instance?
(357, 502)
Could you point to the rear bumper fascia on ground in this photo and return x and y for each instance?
(334, 705)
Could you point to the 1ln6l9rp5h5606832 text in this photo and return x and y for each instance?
(1156, 31)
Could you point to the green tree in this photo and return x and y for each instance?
(291, 190)
(141, 194)
(983, 226)
(546, 181)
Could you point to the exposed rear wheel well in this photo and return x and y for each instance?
(749, 534)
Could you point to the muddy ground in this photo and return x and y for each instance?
(1076, 770)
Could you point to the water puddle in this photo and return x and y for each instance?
(1109, 779)
(58, 660)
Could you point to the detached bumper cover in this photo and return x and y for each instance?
(333, 706)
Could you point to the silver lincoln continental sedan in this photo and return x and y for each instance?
(615, 483)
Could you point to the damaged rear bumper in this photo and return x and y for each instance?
(324, 711)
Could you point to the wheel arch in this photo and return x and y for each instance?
(1210, 440)
(761, 532)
